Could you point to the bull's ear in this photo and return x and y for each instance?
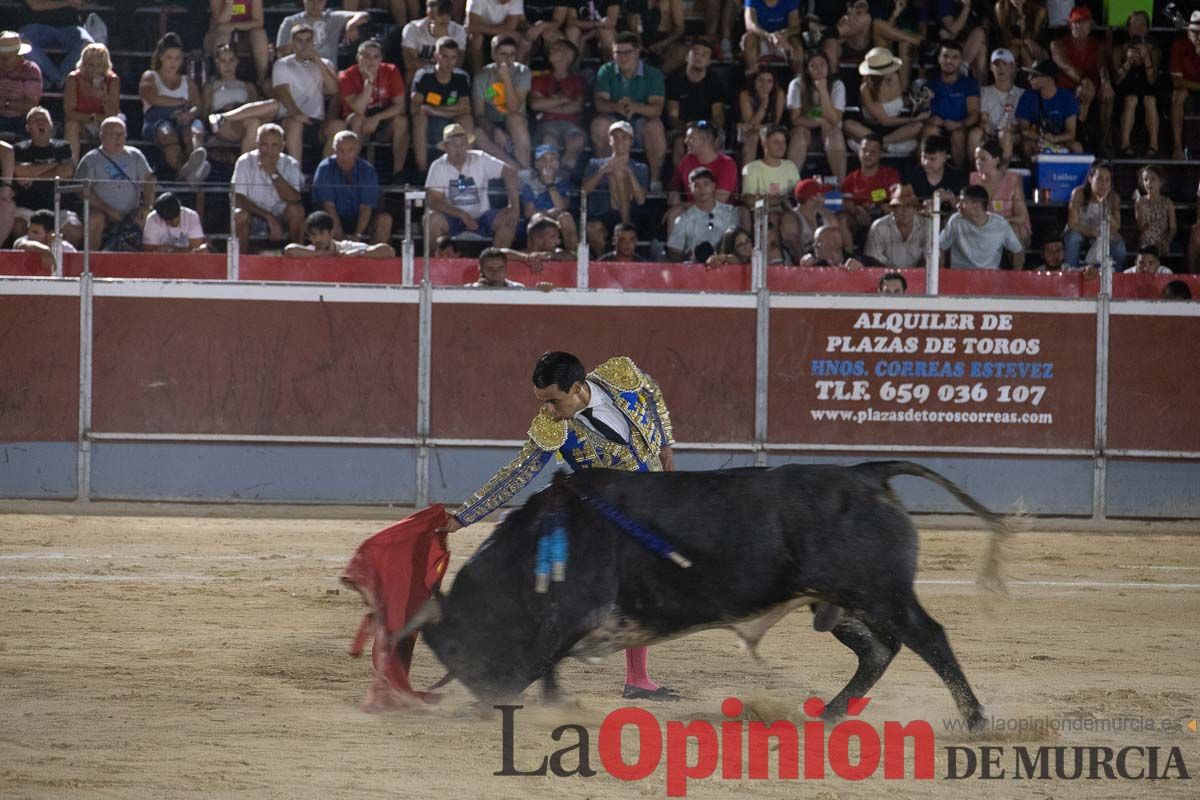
(430, 613)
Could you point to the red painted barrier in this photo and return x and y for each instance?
(835, 280)
(1004, 283)
(656, 276)
(461, 271)
(322, 270)
(1141, 287)
(39, 382)
(157, 266)
(21, 264)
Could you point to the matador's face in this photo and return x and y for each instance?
(563, 405)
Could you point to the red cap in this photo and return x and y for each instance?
(1079, 14)
(810, 188)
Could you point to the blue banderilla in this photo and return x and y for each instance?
(646, 538)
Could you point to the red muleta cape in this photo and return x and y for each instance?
(396, 571)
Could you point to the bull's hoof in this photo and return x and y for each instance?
(825, 617)
(662, 693)
(976, 722)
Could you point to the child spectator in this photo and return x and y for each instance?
(1154, 212)
(544, 190)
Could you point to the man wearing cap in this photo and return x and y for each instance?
(703, 223)
(976, 238)
(20, 83)
(810, 212)
(1047, 114)
(1185, 78)
(546, 190)
(457, 187)
(441, 96)
(629, 89)
(613, 185)
(1083, 67)
(998, 105)
(901, 239)
(955, 106)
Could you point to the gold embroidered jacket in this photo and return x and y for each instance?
(634, 393)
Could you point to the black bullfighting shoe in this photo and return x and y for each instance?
(662, 693)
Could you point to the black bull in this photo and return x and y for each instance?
(761, 542)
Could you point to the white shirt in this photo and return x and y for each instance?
(602, 406)
(886, 245)
(993, 103)
(466, 189)
(416, 36)
(494, 12)
(1163, 269)
(158, 232)
(795, 94)
(250, 180)
(306, 83)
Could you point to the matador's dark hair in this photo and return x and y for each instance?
(560, 369)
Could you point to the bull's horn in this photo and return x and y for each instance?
(430, 612)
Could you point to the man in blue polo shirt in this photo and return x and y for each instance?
(347, 188)
(955, 106)
(628, 89)
(1047, 114)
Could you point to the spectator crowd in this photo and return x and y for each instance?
(666, 123)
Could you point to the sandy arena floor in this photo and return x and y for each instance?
(205, 657)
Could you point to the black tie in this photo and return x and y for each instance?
(604, 430)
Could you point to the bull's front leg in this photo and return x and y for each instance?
(875, 650)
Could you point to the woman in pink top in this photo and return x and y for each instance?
(91, 92)
(1005, 188)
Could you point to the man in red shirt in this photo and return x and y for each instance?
(1083, 66)
(1185, 79)
(373, 100)
(701, 142)
(557, 96)
(865, 190)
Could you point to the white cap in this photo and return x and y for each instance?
(1194, 22)
(1001, 54)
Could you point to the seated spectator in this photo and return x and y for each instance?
(772, 29)
(1053, 254)
(1176, 290)
(1090, 202)
(233, 107)
(38, 161)
(816, 111)
(318, 228)
(1135, 74)
(330, 29)
(1147, 263)
(883, 105)
(736, 247)
(545, 190)
(965, 23)
(1153, 211)
(8, 206)
(267, 184)
(122, 188)
(346, 187)
(1083, 68)
(493, 271)
(39, 238)
(544, 242)
(402, 10)
(774, 178)
(92, 92)
(546, 23)
(56, 26)
(441, 98)
(1185, 78)
(662, 25)
(761, 104)
(1021, 25)
(498, 101)
(892, 283)
(977, 238)
(457, 189)
(858, 31)
(630, 90)
(301, 82)
(866, 189)
(625, 240)
(613, 185)
(694, 93)
(420, 39)
(810, 211)
(955, 106)
(444, 247)
(242, 18)
(701, 140)
(593, 21)
(829, 250)
(20, 83)
(170, 108)
(490, 18)
(697, 231)
(1004, 187)
(998, 105)
(173, 228)
(374, 102)
(1047, 114)
(557, 97)
(901, 239)
(931, 175)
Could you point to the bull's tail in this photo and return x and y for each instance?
(991, 575)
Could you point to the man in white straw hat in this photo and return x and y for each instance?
(457, 188)
(20, 83)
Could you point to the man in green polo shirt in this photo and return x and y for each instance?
(628, 88)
